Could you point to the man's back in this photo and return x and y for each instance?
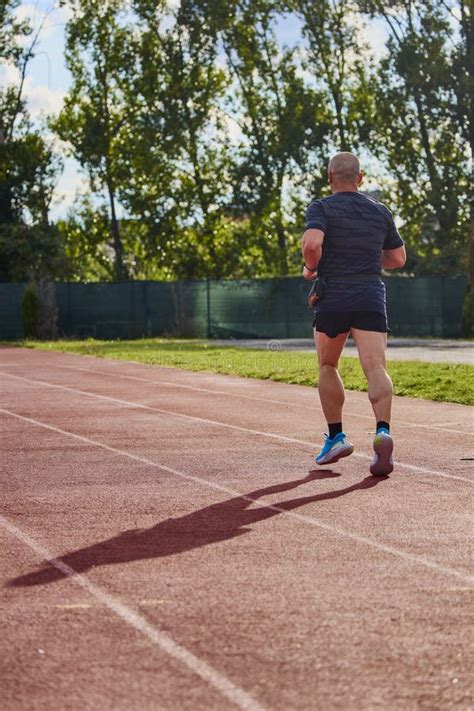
(356, 230)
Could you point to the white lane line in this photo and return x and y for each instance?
(312, 520)
(216, 423)
(286, 403)
(224, 686)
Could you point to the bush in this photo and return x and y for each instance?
(30, 307)
(48, 311)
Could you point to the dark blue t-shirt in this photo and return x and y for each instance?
(356, 231)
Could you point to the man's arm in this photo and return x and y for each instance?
(393, 258)
(311, 248)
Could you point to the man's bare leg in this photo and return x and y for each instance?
(331, 394)
(330, 386)
(371, 346)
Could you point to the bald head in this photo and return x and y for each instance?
(344, 169)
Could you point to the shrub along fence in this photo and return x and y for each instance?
(257, 308)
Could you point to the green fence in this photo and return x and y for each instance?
(258, 308)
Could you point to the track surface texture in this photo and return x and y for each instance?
(167, 542)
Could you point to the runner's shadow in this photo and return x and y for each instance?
(212, 524)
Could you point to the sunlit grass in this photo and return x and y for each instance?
(433, 381)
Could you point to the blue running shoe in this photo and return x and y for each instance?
(334, 449)
(383, 448)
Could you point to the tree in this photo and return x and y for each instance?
(462, 79)
(202, 136)
(281, 122)
(415, 136)
(99, 54)
(337, 58)
(29, 244)
(178, 181)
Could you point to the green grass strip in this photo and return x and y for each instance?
(442, 382)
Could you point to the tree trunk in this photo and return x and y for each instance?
(6, 209)
(121, 273)
(467, 31)
(344, 146)
(436, 202)
(283, 257)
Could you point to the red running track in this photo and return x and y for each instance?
(167, 543)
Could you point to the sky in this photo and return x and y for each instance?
(48, 79)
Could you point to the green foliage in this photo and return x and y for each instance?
(85, 235)
(11, 31)
(28, 168)
(203, 136)
(30, 246)
(414, 134)
(178, 176)
(31, 251)
(337, 58)
(94, 117)
(30, 307)
(283, 125)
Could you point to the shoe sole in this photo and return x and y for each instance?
(338, 454)
(383, 462)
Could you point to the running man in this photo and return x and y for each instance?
(349, 238)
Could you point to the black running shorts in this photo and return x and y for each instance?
(333, 323)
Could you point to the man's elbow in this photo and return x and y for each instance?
(399, 261)
(312, 240)
(394, 258)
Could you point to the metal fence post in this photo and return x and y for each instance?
(208, 301)
(147, 311)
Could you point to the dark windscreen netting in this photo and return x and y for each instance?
(132, 309)
(190, 308)
(254, 308)
(264, 308)
(452, 292)
(10, 311)
(101, 310)
(425, 306)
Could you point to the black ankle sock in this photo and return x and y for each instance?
(383, 424)
(335, 428)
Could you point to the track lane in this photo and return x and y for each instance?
(305, 396)
(332, 596)
(459, 441)
(436, 529)
(367, 621)
(311, 520)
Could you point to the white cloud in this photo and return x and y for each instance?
(71, 184)
(41, 99)
(9, 75)
(46, 19)
(374, 34)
